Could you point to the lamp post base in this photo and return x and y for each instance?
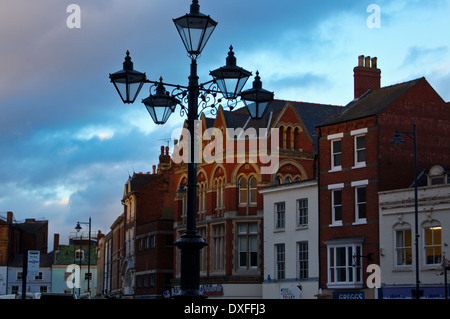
(190, 246)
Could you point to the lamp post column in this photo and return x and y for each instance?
(89, 259)
(416, 213)
(191, 243)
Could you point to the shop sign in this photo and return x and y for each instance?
(212, 289)
(33, 262)
(290, 292)
(348, 295)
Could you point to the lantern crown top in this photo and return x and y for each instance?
(195, 7)
(127, 64)
(231, 58)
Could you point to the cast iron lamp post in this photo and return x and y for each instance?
(78, 228)
(195, 30)
(399, 140)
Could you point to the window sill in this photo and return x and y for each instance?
(345, 285)
(406, 268)
(335, 169)
(302, 227)
(336, 224)
(432, 267)
(359, 165)
(247, 205)
(360, 222)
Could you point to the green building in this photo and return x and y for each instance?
(74, 270)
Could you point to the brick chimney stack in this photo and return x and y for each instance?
(9, 217)
(55, 242)
(367, 75)
(164, 159)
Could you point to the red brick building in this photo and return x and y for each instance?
(229, 206)
(357, 160)
(17, 237)
(136, 257)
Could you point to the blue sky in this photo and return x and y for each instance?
(68, 144)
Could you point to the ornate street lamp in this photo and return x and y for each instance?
(78, 228)
(128, 82)
(257, 99)
(230, 78)
(160, 105)
(195, 30)
(398, 140)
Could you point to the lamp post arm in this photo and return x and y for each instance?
(406, 132)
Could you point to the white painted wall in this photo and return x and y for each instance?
(290, 236)
(396, 209)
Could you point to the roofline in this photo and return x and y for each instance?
(340, 122)
(418, 80)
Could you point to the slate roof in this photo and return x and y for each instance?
(45, 260)
(371, 103)
(139, 180)
(31, 227)
(65, 255)
(311, 114)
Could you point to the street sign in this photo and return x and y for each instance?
(33, 262)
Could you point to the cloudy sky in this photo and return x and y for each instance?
(68, 144)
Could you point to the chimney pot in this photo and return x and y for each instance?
(366, 77)
(162, 150)
(374, 63)
(55, 242)
(154, 169)
(9, 217)
(361, 60)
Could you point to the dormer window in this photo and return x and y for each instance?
(437, 176)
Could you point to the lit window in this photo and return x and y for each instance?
(433, 245)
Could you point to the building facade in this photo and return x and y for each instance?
(36, 284)
(136, 257)
(397, 231)
(291, 249)
(230, 214)
(74, 269)
(357, 161)
(116, 245)
(16, 237)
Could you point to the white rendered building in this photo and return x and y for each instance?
(291, 261)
